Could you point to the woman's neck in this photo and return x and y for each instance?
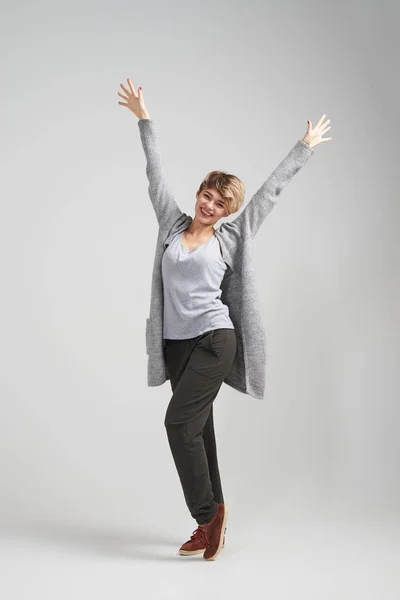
(197, 230)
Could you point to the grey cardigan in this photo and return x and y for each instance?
(239, 292)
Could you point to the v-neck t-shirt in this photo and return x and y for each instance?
(192, 289)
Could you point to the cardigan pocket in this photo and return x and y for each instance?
(148, 333)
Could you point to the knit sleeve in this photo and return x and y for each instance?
(251, 218)
(161, 195)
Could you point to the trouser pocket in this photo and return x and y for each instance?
(218, 342)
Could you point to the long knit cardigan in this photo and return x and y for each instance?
(238, 287)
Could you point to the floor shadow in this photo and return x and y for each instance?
(99, 540)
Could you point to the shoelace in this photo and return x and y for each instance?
(201, 534)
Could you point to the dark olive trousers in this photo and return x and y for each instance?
(197, 368)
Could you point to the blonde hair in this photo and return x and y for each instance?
(230, 188)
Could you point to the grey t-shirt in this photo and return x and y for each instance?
(192, 289)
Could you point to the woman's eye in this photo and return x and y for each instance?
(219, 204)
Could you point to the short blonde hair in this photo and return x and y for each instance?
(230, 188)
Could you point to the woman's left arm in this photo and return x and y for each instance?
(251, 218)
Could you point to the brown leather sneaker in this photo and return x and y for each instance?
(197, 543)
(215, 531)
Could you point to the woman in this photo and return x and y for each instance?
(204, 327)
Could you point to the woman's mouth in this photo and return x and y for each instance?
(205, 214)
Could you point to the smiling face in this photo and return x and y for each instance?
(210, 201)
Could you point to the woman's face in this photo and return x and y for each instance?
(212, 203)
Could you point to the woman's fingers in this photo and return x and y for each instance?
(124, 88)
(134, 101)
(322, 126)
(131, 86)
(131, 91)
(313, 135)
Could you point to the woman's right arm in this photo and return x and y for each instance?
(161, 196)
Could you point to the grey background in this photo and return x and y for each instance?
(311, 473)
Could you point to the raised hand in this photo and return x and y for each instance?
(313, 136)
(134, 101)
